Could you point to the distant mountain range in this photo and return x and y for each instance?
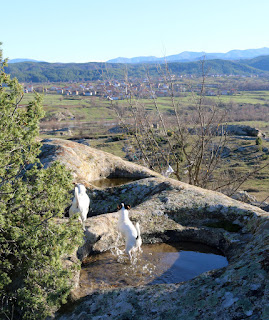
(22, 60)
(188, 56)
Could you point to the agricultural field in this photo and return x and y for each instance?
(99, 109)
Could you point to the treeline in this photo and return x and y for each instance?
(61, 72)
(261, 63)
(92, 71)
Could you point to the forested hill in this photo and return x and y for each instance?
(261, 63)
(63, 72)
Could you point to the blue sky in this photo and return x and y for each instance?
(87, 30)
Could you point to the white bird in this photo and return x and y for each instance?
(168, 171)
(130, 232)
(80, 204)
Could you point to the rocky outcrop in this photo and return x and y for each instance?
(244, 196)
(234, 130)
(88, 164)
(174, 211)
(169, 210)
(243, 130)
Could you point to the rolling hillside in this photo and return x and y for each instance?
(63, 72)
(261, 63)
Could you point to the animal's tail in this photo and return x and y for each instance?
(138, 230)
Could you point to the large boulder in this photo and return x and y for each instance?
(88, 164)
(243, 130)
(233, 130)
(169, 210)
(173, 211)
(244, 196)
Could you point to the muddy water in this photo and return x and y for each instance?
(111, 182)
(158, 263)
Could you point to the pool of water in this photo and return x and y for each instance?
(111, 182)
(158, 263)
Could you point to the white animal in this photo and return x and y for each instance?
(168, 171)
(80, 204)
(130, 232)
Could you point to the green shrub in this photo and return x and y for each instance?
(33, 238)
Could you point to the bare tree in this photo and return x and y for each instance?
(194, 145)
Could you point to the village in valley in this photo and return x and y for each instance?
(119, 90)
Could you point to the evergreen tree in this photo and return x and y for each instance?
(33, 237)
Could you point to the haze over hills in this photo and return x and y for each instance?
(188, 56)
(22, 60)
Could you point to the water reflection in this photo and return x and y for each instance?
(159, 263)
